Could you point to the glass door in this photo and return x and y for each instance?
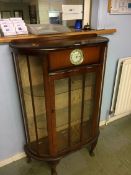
(74, 101)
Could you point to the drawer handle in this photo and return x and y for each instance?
(76, 57)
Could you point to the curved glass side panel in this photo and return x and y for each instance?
(31, 73)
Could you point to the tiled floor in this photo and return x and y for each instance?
(112, 156)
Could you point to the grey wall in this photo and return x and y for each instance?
(119, 47)
(11, 130)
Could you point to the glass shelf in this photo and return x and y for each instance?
(38, 90)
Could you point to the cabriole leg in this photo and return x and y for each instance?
(53, 166)
(28, 158)
(92, 147)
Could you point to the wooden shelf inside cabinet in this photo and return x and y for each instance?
(62, 136)
(60, 87)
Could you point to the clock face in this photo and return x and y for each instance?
(76, 57)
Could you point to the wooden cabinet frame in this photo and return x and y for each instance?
(51, 147)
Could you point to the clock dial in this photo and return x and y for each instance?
(76, 57)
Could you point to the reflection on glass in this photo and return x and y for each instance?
(74, 98)
(31, 68)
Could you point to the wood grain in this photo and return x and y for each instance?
(99, 32)
(61, 59)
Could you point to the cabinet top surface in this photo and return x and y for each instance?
(57, 43)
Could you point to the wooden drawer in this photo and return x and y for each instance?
(61, 59)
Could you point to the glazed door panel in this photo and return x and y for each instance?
(74, 109)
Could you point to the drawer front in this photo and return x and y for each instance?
(61, 59)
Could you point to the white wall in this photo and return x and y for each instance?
(44, 6)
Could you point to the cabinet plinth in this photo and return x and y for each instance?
(60, 86)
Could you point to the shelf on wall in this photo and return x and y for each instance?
(99, 32)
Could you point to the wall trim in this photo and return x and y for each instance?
(102, 123)
(12, 159)
(116, 117)
(22, 154)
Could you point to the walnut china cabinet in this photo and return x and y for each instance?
(60, 85)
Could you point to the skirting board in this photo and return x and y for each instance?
(116, 117)
(12, 159)
(22, 155)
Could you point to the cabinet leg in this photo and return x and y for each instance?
(53, 171)
(92, 147)
(53, 167)
(28, 159)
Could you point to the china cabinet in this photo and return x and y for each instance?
(60, 85)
